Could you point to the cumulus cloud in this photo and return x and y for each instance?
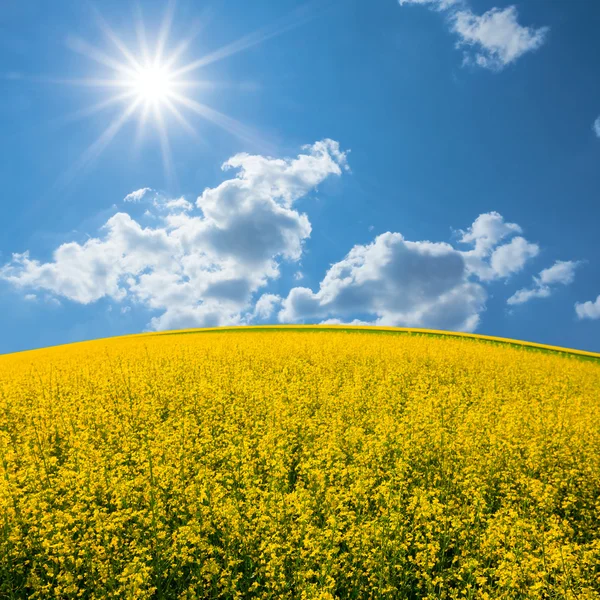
(396, 282)
(138, 195)
(596, 127)
(196, 267)
(175, 204)
(511, 258)
(492, 40)
(489, 260)
(486, 231)
(588, 310)
(202, 264)
(495, 38)
(266, 305)
(562, 272)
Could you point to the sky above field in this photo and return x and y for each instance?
(422, 163)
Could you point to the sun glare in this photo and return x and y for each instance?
(150, 82)
(153, 84)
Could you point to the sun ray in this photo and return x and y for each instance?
(140, 30)
(179, 50)
(182, 120)
(153, 84)
(96, 108)
(98, 146)
(82, 47)
(191, 83)
(297, 18)
(165, 148)
(198, 25)
(82, 81)
(222, 120)
(112, 36)
(141, 125)
(164, 32)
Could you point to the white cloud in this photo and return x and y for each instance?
(172, 205)
(395, 282)
(492, 40)
(562, 272)
(486, 231)
(30, 297)
(178, 203)
(496, 37)
(194, 269)
(511, 258)
(596, 127)
(298, 275)
(525, 295)
(201, 265)
(435, 4)
(340, 322)
(588, 310)
(266, 306)
(138, 195)
(488, 260)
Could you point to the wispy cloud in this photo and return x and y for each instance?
(596, 127)
(492, 40)
(435, 4)
(562, 272)
(138, 195)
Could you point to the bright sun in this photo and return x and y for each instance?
(153, 84)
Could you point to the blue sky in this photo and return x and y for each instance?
(425, 163)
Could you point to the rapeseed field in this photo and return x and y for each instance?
(299, 464)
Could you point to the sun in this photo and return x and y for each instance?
(153, 84)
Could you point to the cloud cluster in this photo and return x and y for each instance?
(562, 272)
(492, 40)
(196, 267)
(205, 264)
(489, 259)
(393, 281)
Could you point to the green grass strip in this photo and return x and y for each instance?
(529, 346)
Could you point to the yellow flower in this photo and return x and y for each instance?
(298, 464)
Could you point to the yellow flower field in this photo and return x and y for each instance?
(299, 464)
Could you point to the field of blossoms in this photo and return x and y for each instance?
(299, 464)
